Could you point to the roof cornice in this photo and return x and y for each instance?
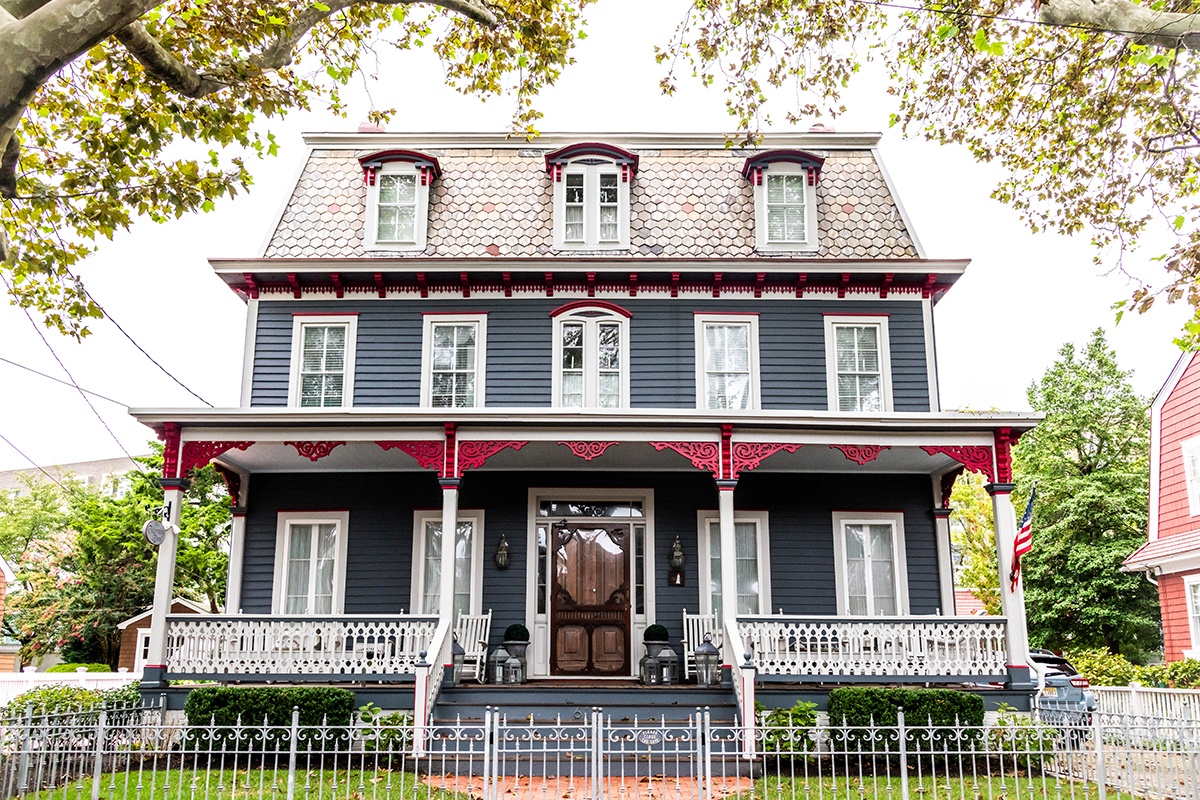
(819, 140)
(566, 263)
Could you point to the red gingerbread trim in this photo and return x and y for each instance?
(948, 485)
(556, 160)
(588, 450)
(197, 455)
(426, 165)
(314, 450)
(977, 458)
(473, 454)
(1004, 439)
(233, 484)
(703, 455)
(170, 439)
(429, 454)
(596, 304)
(746, 456)
(861, 453)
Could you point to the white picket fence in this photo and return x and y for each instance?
(17, 683)
(1148, 701)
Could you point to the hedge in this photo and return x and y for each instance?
(86, 667)
(225, 705)
(859, 708)
(58, 698)
(1103, 668)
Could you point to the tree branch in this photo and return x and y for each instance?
(1137, 23)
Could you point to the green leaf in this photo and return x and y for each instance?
(947, 31)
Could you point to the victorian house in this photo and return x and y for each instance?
(588, 384)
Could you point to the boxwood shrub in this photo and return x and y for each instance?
(855, 709)
(213, 712)
(90, 667)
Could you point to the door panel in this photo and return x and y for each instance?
(589, 612)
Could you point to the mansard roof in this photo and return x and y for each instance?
(689, 199)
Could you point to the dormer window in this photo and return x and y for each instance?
(785, 199)
(398, 184)
(591, 196)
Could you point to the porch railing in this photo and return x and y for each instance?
(250, 646)
(838, 648)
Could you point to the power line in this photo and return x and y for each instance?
(64, 383)
(141, 349)
(36, 465)
(37, 329)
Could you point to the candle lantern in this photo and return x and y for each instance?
(457, 655)
(668, 666)
(496, 665)
(708, 662)
(514, 670)
(648, 668)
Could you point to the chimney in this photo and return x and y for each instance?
(369, 127)
(820, 127)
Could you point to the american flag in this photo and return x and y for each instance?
(1023, 541)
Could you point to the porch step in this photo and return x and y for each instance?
(545, 703)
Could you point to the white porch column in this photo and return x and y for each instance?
(449, 529)
(941, 519)
(164, 582)
(728, 562)
(1012, 601)
(237, 553)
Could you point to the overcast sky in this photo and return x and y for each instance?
(998, 329)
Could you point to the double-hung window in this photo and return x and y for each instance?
(785, 200)
(591, 206)
(752, 557)
(870, 563)
(858, 366)
(591, 351)
(1191, 471)
(453, 360)
(397, 213)
(310, 562)
(427, 562)
(727, 361)
(322, 370)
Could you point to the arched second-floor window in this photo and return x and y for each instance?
(591, 356)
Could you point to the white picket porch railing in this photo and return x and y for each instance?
(928, 648)
(250, 646)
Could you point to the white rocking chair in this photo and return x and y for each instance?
(694, 628)
(472, 631)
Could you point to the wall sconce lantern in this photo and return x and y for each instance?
(457, 656)
(496, 664)
(675, 576)
(502, 556)
(708, 662)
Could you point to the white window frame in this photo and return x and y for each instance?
(843, 518)
(591, 354)
(421, 517)
(141, 653)
(832, 322)
(430, 320)
(288, 518)
(591, 206)
(810, 211)
(761, 520)
(371, 229)
(1192, 613)
(299, 323)
(1191, 477)
(703, 320)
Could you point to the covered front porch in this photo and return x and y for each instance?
(838, 528)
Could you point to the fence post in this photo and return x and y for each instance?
(1101, 767)
(903, 747)
(101, 735)
(1135, 699)
(597, 720)
(488, 748)
(292, 747)
(26, 743)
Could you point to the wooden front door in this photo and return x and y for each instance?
(589, 606)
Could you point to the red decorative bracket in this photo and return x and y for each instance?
(861, 453)
(472, 454)
(170, 439)
(233, 484)
(1004, 439)
(948, 485)
(314, 451)
(703, 455)
(197, 455)
(748, 455)
(977, 458)
(429, 454)
(588, 450)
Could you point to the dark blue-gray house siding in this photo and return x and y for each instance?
(379, 558)
(662, 350)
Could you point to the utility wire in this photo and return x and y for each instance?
(38, 466)
(64, 383)
(37, 328)
(141, 349)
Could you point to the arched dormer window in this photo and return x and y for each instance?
(398, 184)
(591, 195)
(591, 356)
(785, 199)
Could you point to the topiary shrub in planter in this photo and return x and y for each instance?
(656, 639)
(214, 711)
(516, 633)
(516, 642)
(853, 711)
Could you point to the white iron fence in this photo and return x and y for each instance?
(133, 755)
(296, 648)
(931, 648)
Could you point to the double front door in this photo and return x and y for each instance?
(590, 598)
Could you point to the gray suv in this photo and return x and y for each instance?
(1065, 700)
